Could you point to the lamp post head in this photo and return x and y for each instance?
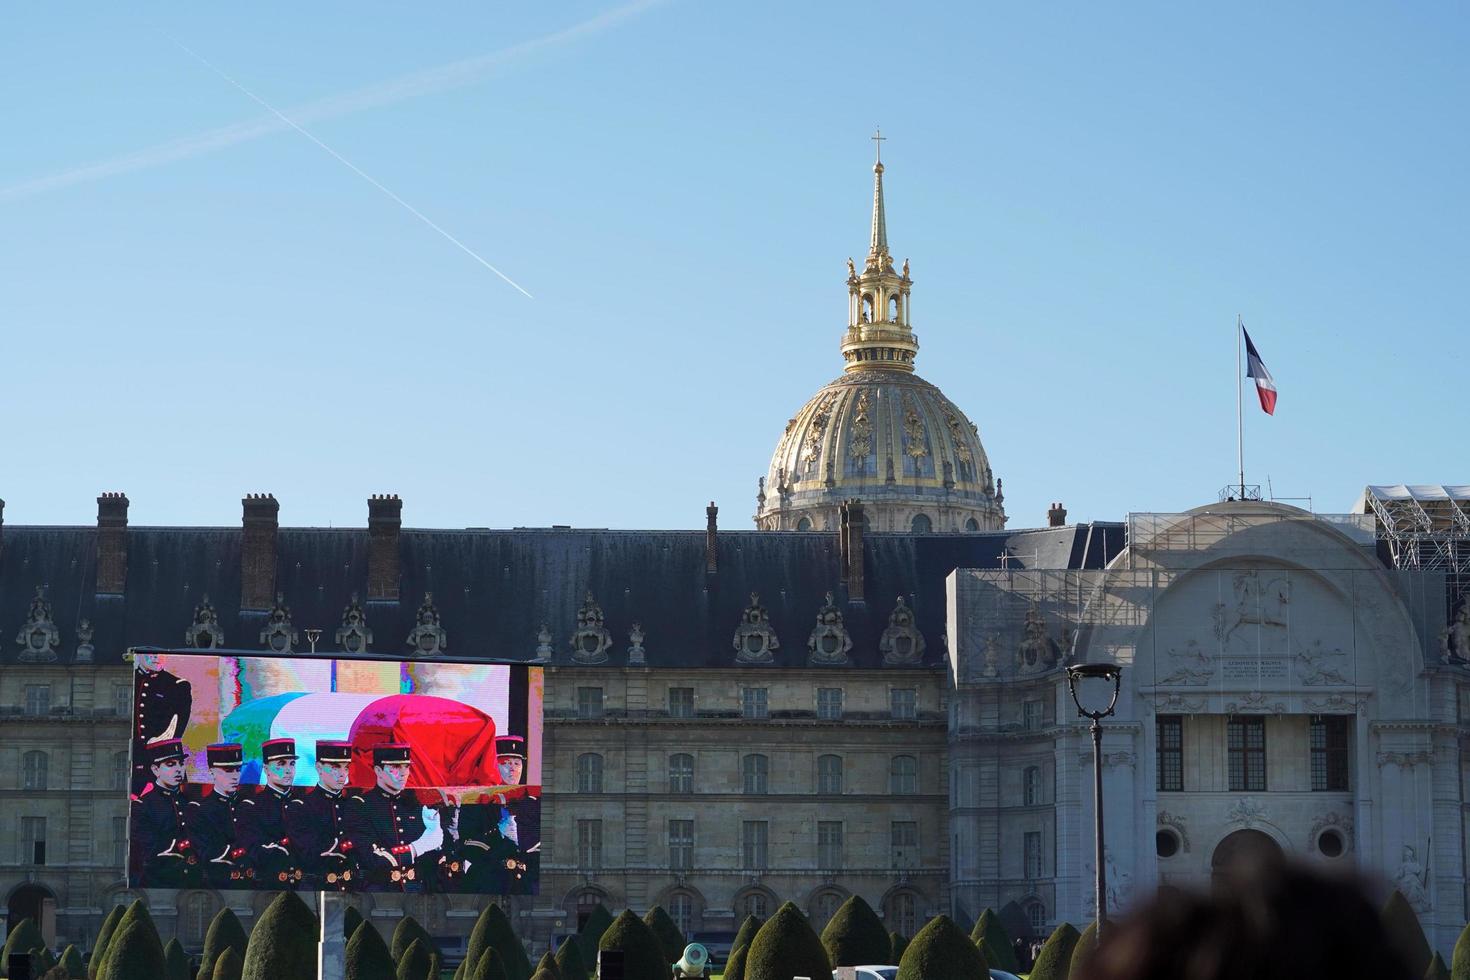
(1096, 672)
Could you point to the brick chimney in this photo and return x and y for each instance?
(385, 520)
(1057, 516)
(711, 539)
(850, 547)
(258, 551)
(112, 543)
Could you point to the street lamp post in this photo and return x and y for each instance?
(1094, 709)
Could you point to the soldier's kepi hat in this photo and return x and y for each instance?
(278, 748)
(225, 755)
(165, 751)
(330, 751)
(391, 754)
(513, 746)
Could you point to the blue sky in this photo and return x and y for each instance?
(197, 302)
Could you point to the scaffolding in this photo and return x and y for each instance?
(1425, 527)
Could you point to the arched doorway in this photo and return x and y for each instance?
(1241, 853)
(33, 901)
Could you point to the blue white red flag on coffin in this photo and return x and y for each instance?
(1256, 371)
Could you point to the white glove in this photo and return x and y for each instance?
(508, 828)
(433, 836)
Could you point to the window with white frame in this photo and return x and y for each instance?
(681, 773)
(589, 702)
(755, 772)
(829, 774)
(34, 766)
(1036, 918)
(38, 699)
(681, 910)
(122, 699)
(903, 914)
(903, 774)
(681, 845)
(754, 835)
(589, 844)
(829, 703)
(904, 841)
(829, 845)
(754, 702)
(681, 702)
(756, 904)
(825, 906)
(903, 703)
(589, 773)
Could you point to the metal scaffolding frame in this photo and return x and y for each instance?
(1423, 527)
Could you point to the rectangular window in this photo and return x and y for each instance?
(1170, 731)
(122, 699)
(681, 702)
(753, 836)
(1032, 854)
(829, 844)
(38, 699)
(903, 703)
(829, 703)
(904, 840)
(1329, 740)
(32, 840)
(1245, 741)
(681, 773)
(589, 702)
(829, 774)
(1031, 715)
(755, 771)
(753, 702)
(589, 844)
(120, 843)
(681, 844)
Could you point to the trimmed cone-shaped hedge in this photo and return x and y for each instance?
(283, 942)
(591, 934)
(436, 964)
(855, 935)
(543, 975)
(407, 931)
(1437, 970)
(785, 947)
(459, 971)
(1054, 961)
(225, 932)
(1405, 934)
(57, 972)
(367, 956)
(104, 936)
(351, 919)
(643, 953)
(42, 961)
(896, 945)
(175, 960)
(997, 942)
(549, 964)
(489, 966)
(71, 961)
(942, 951)
(227, 965)
(416, 962)
(1460, 959)
(134, 952)
(748, 929)
(569, 962)
(670, 936)
(493, 930)
(22, 939)
(1084, 948)
(735, 965)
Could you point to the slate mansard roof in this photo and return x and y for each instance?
(493, 589)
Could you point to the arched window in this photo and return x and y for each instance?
(903, 775)
(893, 308)
(119, 770)
(867, 308)
(589, 773)
(196, 911)
(681, 910)
(824, 906)
(829, 774)
(1036, 917)
(587, 900)
(755, 771)
(921, 524)
(1031, 786)
(903, 914)
(34, 765)
(756, 903)
(681, 773)
(972, 525)
(805, 524)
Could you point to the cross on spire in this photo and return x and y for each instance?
(878, 139)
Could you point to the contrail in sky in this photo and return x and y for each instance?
(456, 74)
(350, 165)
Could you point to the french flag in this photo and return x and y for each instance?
(1256, 370)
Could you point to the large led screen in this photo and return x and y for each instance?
(334, 774)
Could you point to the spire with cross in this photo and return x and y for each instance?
(878, 245)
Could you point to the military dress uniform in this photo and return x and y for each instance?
(263, 841)
(160, 853)
(160, 697)
(383, 827)
(213, 823)
(316, 822)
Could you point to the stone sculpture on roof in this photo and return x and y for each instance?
(427, 637)
(591, 640)
(39, 637)
(278, 634)
(829, 643)
(354, 635)
(755, 639)
(85, 651)
(902, 645)
(204, 632)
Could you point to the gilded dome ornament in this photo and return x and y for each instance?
(829, 643)
(755, 640)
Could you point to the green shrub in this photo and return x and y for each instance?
(57, 972)
(225, 932)
(134, 953)
(459, 971)
(22, 939)
(407, 931)
(42, 961)
(942, 951)
(735, 965)
(416, 963)
(283, 943)
(597, 922)
(748, 929)
(643, 953)
(1086, 944)
(990, 935)
(176, 961)
(351, 919)
(367, 956)
(104, 936)
(549, 964)
(1405, 935)
(669, 934)
(71, 961)
(1460, 959)
(786, 946)
(855, 935)
(489, 966)
(136, 912)
(543, 975)
(1055, 959)
(1437, 970)
(569, 962)
(896, 945)
(227, 965)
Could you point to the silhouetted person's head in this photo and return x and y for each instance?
(1264, 919)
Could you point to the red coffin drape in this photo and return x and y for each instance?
(453, 744)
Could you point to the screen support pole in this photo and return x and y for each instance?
(332, 952)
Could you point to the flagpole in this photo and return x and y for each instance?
(1239, 415)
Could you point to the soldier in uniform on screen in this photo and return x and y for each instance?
(316, 822)
(397, 842)
(212, 820)
(160, 853)
(500, 840)
(160, 711)
(261, 820)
